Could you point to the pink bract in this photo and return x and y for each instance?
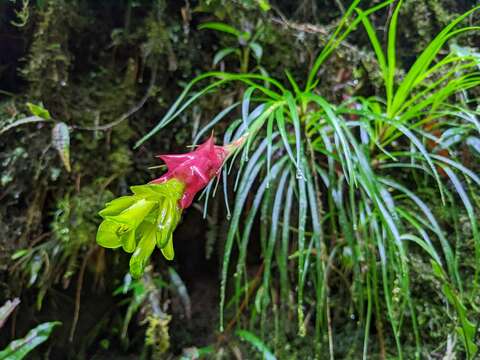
(195, 169)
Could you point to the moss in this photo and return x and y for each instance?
(425, 18)
(157, 336)
(49, 60)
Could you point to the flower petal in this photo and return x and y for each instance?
(116, 206)
(128, 241)
(107, 235)
(171, 188)
(134, 215)
(162, 228)
(144, 249)
(168, 250)
(167, 222)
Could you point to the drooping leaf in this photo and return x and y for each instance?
(61, 142)
(6, 309)
(474, 142)
(257, 50)
(181, 290)
(39, 110)
(18, 349)
(467, 330)
(257, 343)
(19, 253)
(221, 54)
(219, 26)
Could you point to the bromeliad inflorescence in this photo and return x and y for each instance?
(147, 218)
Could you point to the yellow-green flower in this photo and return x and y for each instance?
(148, 217)
(140, 221)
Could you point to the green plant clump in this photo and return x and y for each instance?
(339, 191)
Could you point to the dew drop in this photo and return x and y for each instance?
(300, 175)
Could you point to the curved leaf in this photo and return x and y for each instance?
(18, 349)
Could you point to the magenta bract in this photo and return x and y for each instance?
(195, 169)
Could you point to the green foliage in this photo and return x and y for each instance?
(247, 45)
(60, 131)
(146, 293)
(138, 296)
(328, 175)
(38, 110)
(257, 343)
(72, 230)
(18, 349)
(467, 330)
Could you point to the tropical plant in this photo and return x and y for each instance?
(147, 298)
(332, 202)
(60, 132)
(246, 43)
(139, 222)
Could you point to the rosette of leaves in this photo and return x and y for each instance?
(346, 183)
